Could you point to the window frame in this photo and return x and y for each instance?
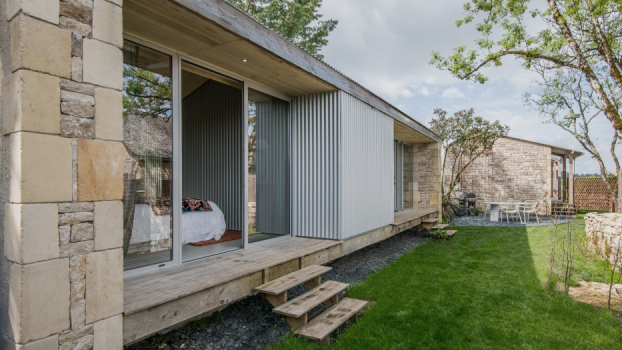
(176, 200)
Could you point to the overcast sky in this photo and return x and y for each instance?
(386, 46)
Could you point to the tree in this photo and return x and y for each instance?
(582, 36)
(464, 136)
(146, 93)
(560, 92)
(297, 20)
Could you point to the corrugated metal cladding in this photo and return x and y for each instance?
(272, 167)
(367, 167)
(212, 141)
(315, 153)
(343, 166)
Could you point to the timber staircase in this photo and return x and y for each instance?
(433, 225)
(296, 310)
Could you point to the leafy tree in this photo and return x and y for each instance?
(561, 92)
(146, 93)
(579, 36)
(297, 20)
(464, 136)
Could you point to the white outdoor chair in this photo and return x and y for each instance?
(531, 207)
(512, 208)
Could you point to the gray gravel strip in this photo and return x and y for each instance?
(484, 220)
(250, 323)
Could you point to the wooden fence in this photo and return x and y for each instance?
(591, 193)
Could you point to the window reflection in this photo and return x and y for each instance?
(148, 171)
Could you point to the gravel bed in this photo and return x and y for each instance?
(250, 323)
(484, 220)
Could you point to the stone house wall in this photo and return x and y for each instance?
(604, 232)
(426, 178)
(62, 167)
(516, 170)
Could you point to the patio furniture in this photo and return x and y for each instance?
(486, 201)
(512, 208)
(497, 206)
(466, 202)
(530, 207)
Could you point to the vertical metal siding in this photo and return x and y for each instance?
(212, 149)
(316, 166)
(272, 165)
(367, 163)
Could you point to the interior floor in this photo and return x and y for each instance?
(132, 261)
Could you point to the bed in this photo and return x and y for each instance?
(196, 226)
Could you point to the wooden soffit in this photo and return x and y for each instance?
(404, 133)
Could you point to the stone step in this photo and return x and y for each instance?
(320, 328)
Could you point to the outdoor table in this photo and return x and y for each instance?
(494, 209)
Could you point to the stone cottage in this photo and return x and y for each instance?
(519, 169)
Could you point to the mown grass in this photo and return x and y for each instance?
(481, 290)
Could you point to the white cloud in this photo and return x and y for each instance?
(407, 93)
(453, 93)
(424, 91)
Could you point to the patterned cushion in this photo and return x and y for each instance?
(195, 204)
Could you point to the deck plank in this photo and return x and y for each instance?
(321, 326)
(411, 214)
(302, 304)
(159, 287)
(293, 279)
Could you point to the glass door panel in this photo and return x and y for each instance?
(148, 163)
(268, 167)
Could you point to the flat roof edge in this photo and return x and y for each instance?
(237, 22)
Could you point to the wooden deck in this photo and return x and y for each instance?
(162, 299)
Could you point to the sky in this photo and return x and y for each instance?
(386, 46)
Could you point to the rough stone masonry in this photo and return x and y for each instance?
(62, 116)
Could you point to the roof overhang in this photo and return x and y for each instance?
(555, 150)
(217, 33)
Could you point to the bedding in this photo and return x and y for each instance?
(196, 226)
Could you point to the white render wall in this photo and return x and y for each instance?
(342, 159)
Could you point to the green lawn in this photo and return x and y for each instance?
(481, 290)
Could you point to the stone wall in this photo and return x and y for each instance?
(426, 177)
(62, 117)
(604, 232)
(516, 170)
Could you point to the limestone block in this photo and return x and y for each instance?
(109, 115)
(108, 23)
(48, 343)
(38, 299)
(75, 218)
(64, 232)
(40, 46)
(104, 284)
(77, 98)
(75, 334)
(75, 207)
(102, 64)
(81, 88)
(100, 170)
(77, 289)
(83, 343)
(76, 68)
(87, 3)
(46, 10)
(76, 11)
(78, 110)
(77, 267)
(76, 45)
(78, 248)
(31, 103)
(78, 314)
(41, 168)
(31, 232)
(81, 232)
(75, 27)
(108, 334)
(108, 225)
(118, 2)
(83, 128)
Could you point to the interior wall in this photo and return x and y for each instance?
(367, 164)
(212, 154)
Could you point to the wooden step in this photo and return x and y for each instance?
(320, 328)
(301, 305)
(293, 279)
(440, 227)
(451, 233)
(430, 220)
(428, 223)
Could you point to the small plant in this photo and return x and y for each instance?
(438, 235)
(160, 339)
